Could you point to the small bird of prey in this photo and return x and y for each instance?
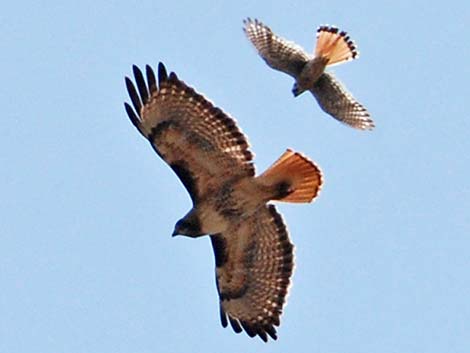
(333, 47)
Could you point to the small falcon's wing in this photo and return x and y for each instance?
(279, 53)
(335, 100)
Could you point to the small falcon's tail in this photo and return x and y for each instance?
(293, 178)
(335, 46)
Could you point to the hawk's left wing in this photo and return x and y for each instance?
(279, 53)
(254, 263)
(335, 100)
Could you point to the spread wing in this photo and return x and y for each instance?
(201, 143)
(335, 100)
(254, 263)
(279, 53)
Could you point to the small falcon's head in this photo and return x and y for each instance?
(188, 226)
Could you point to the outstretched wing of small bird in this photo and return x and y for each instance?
(254, 263)
(279, 53)
(201, 143)
(335, 100)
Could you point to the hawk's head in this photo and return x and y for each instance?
(189, 226)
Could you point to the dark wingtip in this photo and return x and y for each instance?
(128, 82)
(173, 77)
(235, 325)
(135, 68)
(271, 331)
(132, 116)
(263, 336)
(162, 74)
(133, 95)
(247, 21)
(248, 328)
(223, 317)
(151, 80)
(141, 86)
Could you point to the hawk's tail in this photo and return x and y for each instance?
(293, 177)
(334, 45)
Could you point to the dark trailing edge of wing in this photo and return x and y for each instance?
(219, 246)
(186, 177)
(287, 264)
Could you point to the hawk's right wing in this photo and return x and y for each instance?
(254, 263)
(201, 143)
(279, 53)
(335, 100)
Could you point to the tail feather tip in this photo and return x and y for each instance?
(295, 178)
(336, 45)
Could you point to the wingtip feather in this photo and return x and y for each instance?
(141, 86)
(151, 80)
(135, 99)
(223, 317)
(235, 325)
(162, 73)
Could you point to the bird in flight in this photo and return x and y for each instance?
(208, 152)
(333, 47)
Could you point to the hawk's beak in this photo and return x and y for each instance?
(175, 233)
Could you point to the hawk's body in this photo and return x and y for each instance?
(205, 148)
(333, 47)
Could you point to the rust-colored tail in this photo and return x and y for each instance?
(293, 178)
(334, 45)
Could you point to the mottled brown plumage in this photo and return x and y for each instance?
(210, 155)
(333, 47)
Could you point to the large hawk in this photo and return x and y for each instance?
(209, 153)
(333, 47)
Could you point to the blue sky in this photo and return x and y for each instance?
(87, 263)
